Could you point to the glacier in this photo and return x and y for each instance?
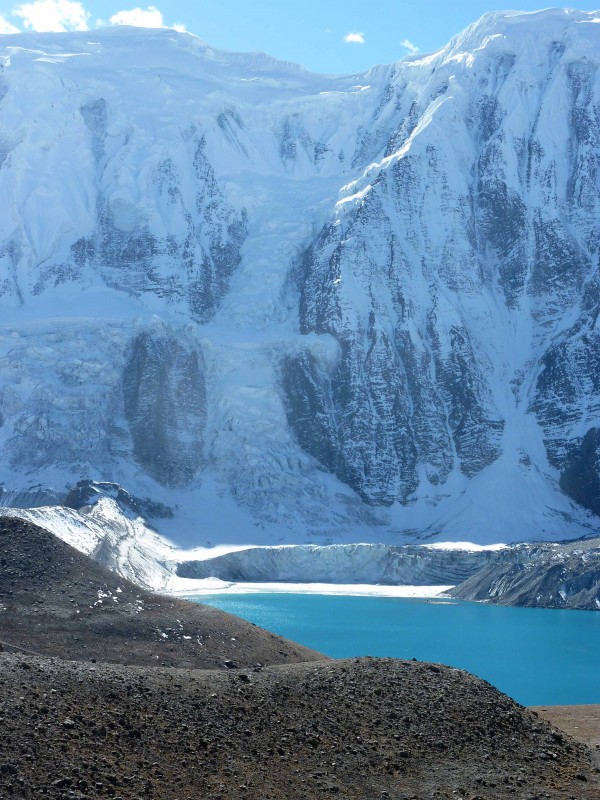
(292, 308)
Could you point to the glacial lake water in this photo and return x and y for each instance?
(537, 656)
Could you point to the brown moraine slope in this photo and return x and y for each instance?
(580, 722)
(55, 601)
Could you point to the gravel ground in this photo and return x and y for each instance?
(364, 728)
(580, 722)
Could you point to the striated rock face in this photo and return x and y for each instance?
(400, 398)
(452, 272)
(345, 308)
(164, 397)
(544, 576)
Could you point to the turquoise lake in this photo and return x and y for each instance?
(537, 656)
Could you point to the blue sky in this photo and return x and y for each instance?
(325, 35)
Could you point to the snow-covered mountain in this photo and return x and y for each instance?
(292, 307)
(110, 536)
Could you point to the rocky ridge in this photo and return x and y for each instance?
(543, 576)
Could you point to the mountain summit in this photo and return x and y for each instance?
(289, 306)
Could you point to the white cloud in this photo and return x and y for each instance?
(6, 27)
(412, 48)
(53, 15)
(149, 17)
(68, 15)
(354, 38)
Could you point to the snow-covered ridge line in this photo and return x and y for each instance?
(81, 43)
(123, 543)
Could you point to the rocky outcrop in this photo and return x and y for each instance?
(164, 400)
(542, 576)
(87, 493)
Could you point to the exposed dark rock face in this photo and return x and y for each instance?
(410, 390)
(164, 399)
(543, 576)
(88, 492)
(580, 477)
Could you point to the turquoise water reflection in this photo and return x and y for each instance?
(537, 656)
